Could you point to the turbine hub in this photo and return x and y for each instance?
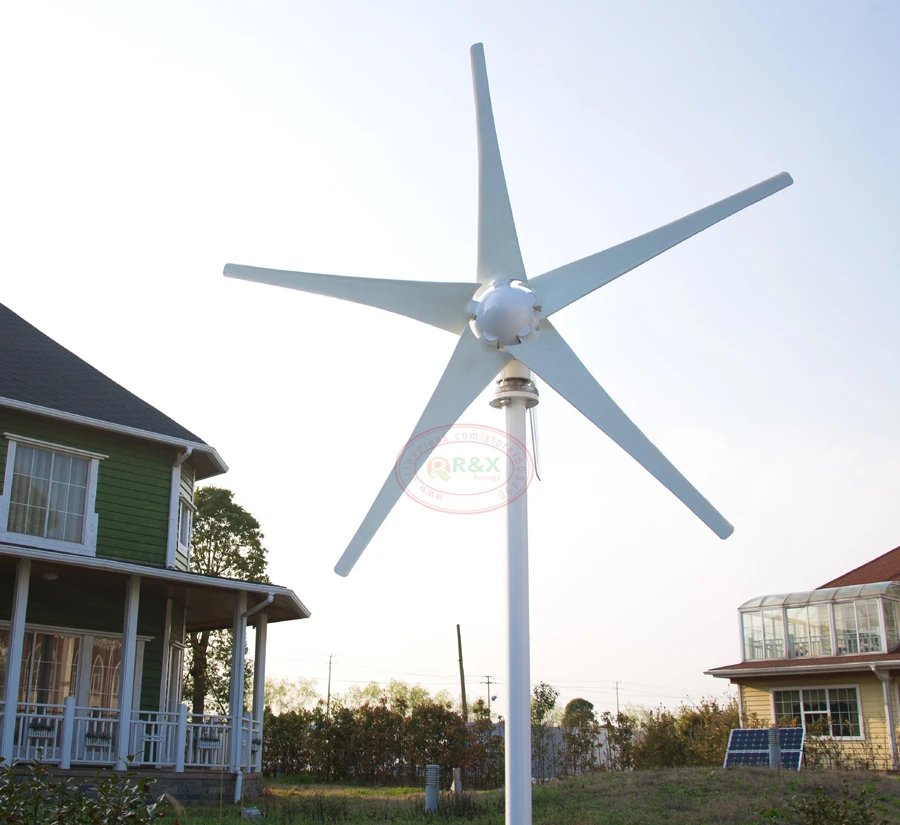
(506, 313)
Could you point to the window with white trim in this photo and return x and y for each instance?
(185, 522)
(824, 711)
(48, 495)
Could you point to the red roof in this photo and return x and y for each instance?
(886, 568)
(861, 661)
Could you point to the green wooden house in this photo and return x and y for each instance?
(96, 589)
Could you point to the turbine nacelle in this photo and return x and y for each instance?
(505, 313)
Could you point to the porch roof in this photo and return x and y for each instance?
(821, 664)
(209, 600)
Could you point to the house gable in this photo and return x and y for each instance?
(133, 485)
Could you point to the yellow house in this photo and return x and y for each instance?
(827, 659)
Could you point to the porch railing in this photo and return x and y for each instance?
(67, 734)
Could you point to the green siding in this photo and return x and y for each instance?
(133, 485)
(178, 619)
(152, 622)
(187, 481)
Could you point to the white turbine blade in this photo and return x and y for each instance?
(443, 305)
(498, 244)
(560, 287)
(472, 365)
(552, 359)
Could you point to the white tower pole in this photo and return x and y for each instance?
(515, 393)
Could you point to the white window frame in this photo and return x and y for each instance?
(849, 686)
(184, 503)
(86, 547)
(86, 645)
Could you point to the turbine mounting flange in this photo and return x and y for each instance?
(515, 382)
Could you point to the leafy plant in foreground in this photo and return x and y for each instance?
(38, 798)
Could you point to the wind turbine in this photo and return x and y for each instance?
(502, 323)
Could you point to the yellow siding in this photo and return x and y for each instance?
(757, 704)
(756, 698)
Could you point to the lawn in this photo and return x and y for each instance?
(687, 796)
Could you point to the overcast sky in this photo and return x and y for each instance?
(146, 145)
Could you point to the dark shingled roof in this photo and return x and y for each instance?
(37, 370)
(886, 568)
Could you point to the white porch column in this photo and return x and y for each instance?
(14, 658)
(236, 697)
(129, 655)
(889, 723)
(259, 666)
(166, 658)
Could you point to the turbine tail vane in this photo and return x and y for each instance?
(535, 442)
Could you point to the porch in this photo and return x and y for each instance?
(92, 653)
(67, 735)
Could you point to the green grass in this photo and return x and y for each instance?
(696, 796)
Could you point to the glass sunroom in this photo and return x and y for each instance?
(836, 621)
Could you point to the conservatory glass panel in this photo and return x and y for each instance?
(753, 635)
(798, 632)
(819, 630)
(890, 623)
(868, 625)
(845, 624)
(773, 630)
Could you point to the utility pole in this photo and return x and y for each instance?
(617, 697)
(488, 683)
(462, 677)
(328, 700)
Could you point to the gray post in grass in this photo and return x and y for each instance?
(432, 775)
(774, 749)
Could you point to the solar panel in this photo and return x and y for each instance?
(750, 746)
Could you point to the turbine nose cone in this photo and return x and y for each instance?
(506, 314)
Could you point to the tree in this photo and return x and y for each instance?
(580, 730)
(284, 695)
(543, 703)
(620, 730)
(577, 712)
(226, 542)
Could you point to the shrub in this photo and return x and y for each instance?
(818, 808)
(37, 798)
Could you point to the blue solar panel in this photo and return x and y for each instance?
(746, 758)
(791, 738)
(791, 759)
(752, 739)
(750, 746)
